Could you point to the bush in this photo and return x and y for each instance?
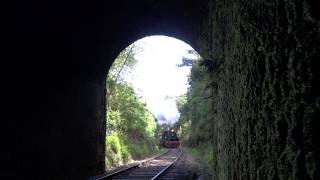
(132, 125)
(114, 142)
(120, 149)
(116, 152)
(140, 148)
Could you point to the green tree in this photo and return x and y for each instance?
(124, 63)
(196, 107)
(130, 125)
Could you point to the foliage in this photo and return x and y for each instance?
(130, 125)
(117, 152)
(121, 148)
(124, 63)
(197, 114)
(127, 115)
(139, 148)
(189, 58)
(195, 108)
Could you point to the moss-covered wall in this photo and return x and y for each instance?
(266, 56)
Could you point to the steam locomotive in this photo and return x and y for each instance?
(169, 139)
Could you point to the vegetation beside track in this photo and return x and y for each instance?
(130, 125)
(121, 149)
(196, 116)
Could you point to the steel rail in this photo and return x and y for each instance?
(167, 167)
(128, 168)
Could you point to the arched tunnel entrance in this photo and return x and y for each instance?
(264, 63)
(144, 85)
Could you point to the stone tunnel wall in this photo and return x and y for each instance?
(56, 83)
(266, 77)
(267, 84)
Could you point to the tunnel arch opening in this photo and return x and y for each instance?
(158, 59)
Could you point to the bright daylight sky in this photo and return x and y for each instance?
(157, 76)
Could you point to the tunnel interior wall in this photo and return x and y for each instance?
(266, 81)
(265, 73)
(56, 95)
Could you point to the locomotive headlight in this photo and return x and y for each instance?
(172, 130)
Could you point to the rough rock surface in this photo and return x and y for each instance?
(266, 76)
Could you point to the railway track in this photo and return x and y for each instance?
(150, 169)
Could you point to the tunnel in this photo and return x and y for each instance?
(264, 56)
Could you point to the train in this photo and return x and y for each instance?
(169, 139)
